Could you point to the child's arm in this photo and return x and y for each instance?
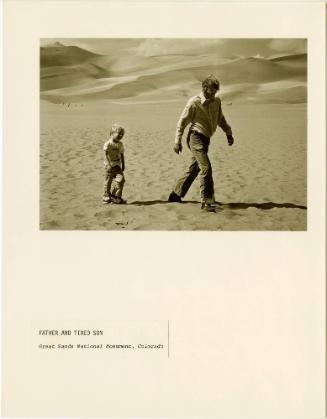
(106, 159)
(122, 162)
(106, 154)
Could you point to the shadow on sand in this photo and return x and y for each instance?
(232, 205)
(264, 205)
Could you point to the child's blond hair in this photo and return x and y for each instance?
(117, 128)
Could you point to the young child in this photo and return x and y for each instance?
(114, 164)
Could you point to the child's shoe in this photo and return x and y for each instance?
(118, 200)
(106, 199)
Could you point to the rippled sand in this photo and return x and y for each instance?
(260, 182)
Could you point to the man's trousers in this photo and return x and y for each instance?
(200, 165)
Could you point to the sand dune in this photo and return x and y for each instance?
(71, 59)
(67, 76)
(275, 92)
(95, 77)
(257, 70)
(114, 67)
(58, 54)
(295, 59)
(291, 95)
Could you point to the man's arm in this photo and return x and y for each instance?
(222, 123)
(185, 118)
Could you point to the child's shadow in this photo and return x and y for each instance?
(155, 202)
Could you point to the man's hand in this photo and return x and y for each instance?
(178, 148)
(230, 139)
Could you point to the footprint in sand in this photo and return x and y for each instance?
(103, 214)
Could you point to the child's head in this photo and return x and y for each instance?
(117, 132)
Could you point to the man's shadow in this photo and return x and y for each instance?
(231, 205)
(263, 205)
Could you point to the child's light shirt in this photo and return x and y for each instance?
(113, 152)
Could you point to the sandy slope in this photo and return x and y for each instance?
(260, 182)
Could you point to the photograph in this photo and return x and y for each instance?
(173, 134)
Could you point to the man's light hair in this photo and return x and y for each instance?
(210, 81)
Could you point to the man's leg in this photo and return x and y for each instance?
(206, 180)
(199, 146)
(184, 183)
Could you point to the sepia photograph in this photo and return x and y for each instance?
(173, 134)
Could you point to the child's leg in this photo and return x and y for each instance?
(107, 184)
(118, 185)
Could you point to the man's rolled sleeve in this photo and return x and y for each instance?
(184, 120)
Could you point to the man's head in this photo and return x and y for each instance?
(210, 86)
(117, 132)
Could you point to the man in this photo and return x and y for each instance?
(204, 113)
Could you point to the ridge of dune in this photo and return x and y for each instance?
(54, 44)
(63, 55)
(67, 76)
(293, 57)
